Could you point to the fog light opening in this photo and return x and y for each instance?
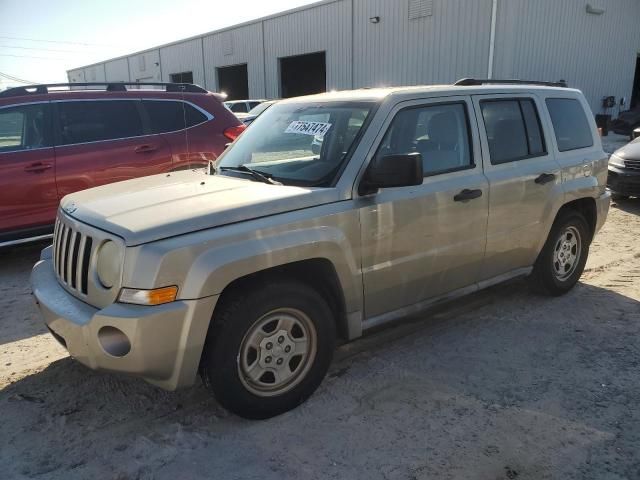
(114, 341)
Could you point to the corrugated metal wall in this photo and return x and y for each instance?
(183, 57)
(552, 40)
(145, 67)
(117, 70)
(451, 43)
(233, 47)
(321, 28)
(76, 75)
(414, 42)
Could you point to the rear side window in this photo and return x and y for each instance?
(513, 130)
(569, 123)
(92, 121)
(169, 116)
(440, 133)
(24, 127)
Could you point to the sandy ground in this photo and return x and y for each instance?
(503, 385)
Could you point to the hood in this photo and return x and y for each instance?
(160, 206)
(631, 151)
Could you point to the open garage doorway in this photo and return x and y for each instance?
(234, 81)
(303, 75)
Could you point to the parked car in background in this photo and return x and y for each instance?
(247, 273)
(54, 142)
(242, 106)
(626, 122)
(624, 171)
(248, 118)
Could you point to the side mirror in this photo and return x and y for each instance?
(392, 171)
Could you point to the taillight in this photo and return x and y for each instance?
(234, 132)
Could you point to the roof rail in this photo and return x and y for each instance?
(107, 86)
(489, 81)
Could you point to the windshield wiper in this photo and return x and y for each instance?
(261, 177)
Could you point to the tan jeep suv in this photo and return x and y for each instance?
(331, 215)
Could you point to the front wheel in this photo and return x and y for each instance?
(269, 348)
(564, 255)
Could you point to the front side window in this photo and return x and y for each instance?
(170, 116)
(513, 130)
(24, 127)
(569, 124)
(440, 133)
(92, 121)
(299, 143)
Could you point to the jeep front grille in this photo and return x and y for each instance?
(71, 256)
(632, 164)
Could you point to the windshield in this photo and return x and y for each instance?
(298, 144)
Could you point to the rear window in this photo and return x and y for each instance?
(240, 107)
(569, 123)
(92, 121)
(169, 116)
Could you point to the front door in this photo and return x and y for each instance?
(28, 197)
(422, 242)
(524, 180)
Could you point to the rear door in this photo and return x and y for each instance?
(524, 179)
(104, 141)
(28, 197)
(182, 125)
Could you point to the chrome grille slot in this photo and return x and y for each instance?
(71, 257)
(632, 164)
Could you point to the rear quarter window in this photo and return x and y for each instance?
(570, 124)
(170, 116)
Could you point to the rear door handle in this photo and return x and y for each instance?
(38, 167)
(145, 148)
(467, 194)
(545, 178)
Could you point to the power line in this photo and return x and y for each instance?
(15, 79)
(57, 41)
(31, 56)
(38, 48)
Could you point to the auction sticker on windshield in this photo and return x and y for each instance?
(317, 129)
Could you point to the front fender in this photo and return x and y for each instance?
(216, 268)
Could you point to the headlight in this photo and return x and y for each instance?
(109, 264)
(616, 161)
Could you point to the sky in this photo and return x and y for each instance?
(41, 39)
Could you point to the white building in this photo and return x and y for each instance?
(344, 44)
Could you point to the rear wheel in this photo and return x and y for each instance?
(268, 349)
(564, 255)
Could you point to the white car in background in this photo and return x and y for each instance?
(242, 106)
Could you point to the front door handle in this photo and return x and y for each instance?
(37, 167)
(467, 194)
(545, 178)
(145, 148)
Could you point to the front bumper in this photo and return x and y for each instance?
(166, 341)
(624, 181)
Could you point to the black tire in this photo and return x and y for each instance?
(544, 277)
(236, 317)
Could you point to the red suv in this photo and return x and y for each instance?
(54, 142)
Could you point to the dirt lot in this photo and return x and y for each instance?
(504, 385)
